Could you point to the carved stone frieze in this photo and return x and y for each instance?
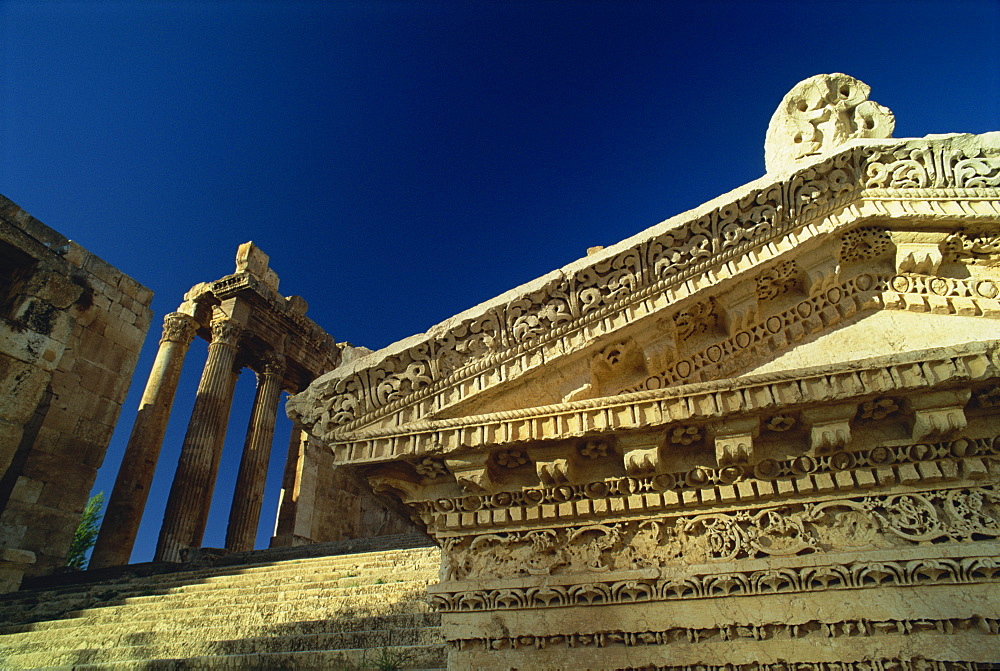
(784, 580)
(766, 394)
(623, 284)
(870, 522)
(812, 630)
(650, 490)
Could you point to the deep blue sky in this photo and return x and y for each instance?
(403, 161)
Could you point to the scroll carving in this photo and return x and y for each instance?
(870, 522)
(704, 585)
(668, 259)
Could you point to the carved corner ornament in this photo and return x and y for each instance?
(819, 114)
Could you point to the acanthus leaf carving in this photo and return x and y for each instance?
(884, 521)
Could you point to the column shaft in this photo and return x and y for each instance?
(284, 526)
(249, 494)
(191, 492)
(128, 498)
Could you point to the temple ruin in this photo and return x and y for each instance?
(247, 324)
(760, 435)
(763, 432)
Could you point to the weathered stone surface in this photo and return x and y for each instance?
(342, 611)
(820, 114)
(69, 339)
(762, 433)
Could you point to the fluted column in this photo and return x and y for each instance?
(249, 494)
(191, 492)
(128, 498)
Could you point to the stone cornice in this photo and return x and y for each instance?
(951, 178)
(933, 369)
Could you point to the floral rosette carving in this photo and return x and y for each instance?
(977, 249)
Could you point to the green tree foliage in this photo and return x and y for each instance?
(86, 533)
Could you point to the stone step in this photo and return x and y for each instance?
(167, 572)
(59, 654)
(310, 603)
(408, 657)
(237, 600)
(394, 559)
(350, 612)
(93, 634)
(105, 594)
(206, 616)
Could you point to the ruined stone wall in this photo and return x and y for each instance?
(321, 503)
(71, 327)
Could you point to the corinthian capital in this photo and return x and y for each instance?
(226, 331)
(271, 363)
(178, 327)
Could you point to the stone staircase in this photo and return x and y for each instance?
(263, 610)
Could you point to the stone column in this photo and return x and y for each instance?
(128, 498)
(249, 494)
(291, 510)
(191, 492)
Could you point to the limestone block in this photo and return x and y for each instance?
(829, 426)
(30, 346)
(939, 415)
(10, 438)
(820, 114)
(21, 387)
(734, 441)
(13, 563)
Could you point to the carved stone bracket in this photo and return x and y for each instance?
(641, 453)
(734, 441)
(939, 414)
(471, 473)
(829, 426)
(923, 258)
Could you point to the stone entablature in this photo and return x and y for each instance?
(934, 194)
(763, 432)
